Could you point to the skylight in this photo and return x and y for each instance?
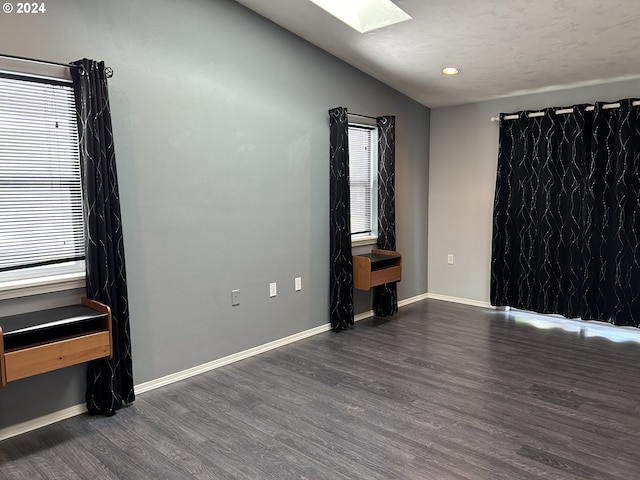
(364, 15)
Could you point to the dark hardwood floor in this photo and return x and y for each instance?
(442, 391)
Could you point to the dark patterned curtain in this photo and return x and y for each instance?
(612, 217)
(566, 229)
(341, 262)
(109, 382)
(385, 297)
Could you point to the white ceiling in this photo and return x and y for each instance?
(502, 47)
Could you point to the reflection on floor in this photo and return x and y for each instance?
(583, 328)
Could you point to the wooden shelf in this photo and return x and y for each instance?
(39, 342)
(376, 268)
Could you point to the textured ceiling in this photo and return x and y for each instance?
(502, 47)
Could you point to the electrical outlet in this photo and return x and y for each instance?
(298, 284)
(235, 297)
(450, 259)
(272, 289)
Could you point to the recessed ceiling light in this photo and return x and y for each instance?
(364, 15)
(451, 71)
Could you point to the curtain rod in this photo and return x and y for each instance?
(363, 116)
(565, 110)
(35, 60)
(108, 71)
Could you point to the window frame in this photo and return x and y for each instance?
(369, 238)
(46, 278)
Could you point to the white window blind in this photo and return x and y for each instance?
(363, 153)
(40, 190)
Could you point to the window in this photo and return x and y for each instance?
(363, 178)
(41, 222)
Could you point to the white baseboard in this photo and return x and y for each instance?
(464, 301)
(409, 301)
(54, 417)
(43, 421)
(401, 303)
(235, 357)
(363, 316)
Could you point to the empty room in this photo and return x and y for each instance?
(325, 240)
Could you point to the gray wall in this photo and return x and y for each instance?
(462, 174)
(221, 132)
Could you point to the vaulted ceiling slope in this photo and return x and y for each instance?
(502, 47)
